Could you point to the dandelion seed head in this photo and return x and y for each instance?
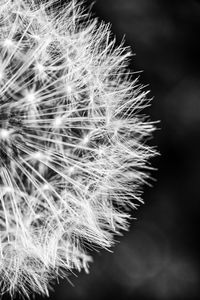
(72, 141)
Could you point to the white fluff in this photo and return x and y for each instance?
(72, 141)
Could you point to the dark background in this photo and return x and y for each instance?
(158, 257)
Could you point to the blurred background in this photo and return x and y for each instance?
(158, 257)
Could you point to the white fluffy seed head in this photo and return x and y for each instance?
(72, 142)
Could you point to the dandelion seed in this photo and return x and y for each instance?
(30, 96)
(5, 134)
(40, 71)
(8, 43)
(72, 141)
(57, 122)
(69, 88)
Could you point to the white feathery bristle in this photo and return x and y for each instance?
(72, 141)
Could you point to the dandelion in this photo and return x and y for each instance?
(72, 141)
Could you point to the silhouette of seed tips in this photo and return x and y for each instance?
(73, 155)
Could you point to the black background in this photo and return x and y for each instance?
(158, 257)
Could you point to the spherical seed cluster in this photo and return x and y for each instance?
(72, 152)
